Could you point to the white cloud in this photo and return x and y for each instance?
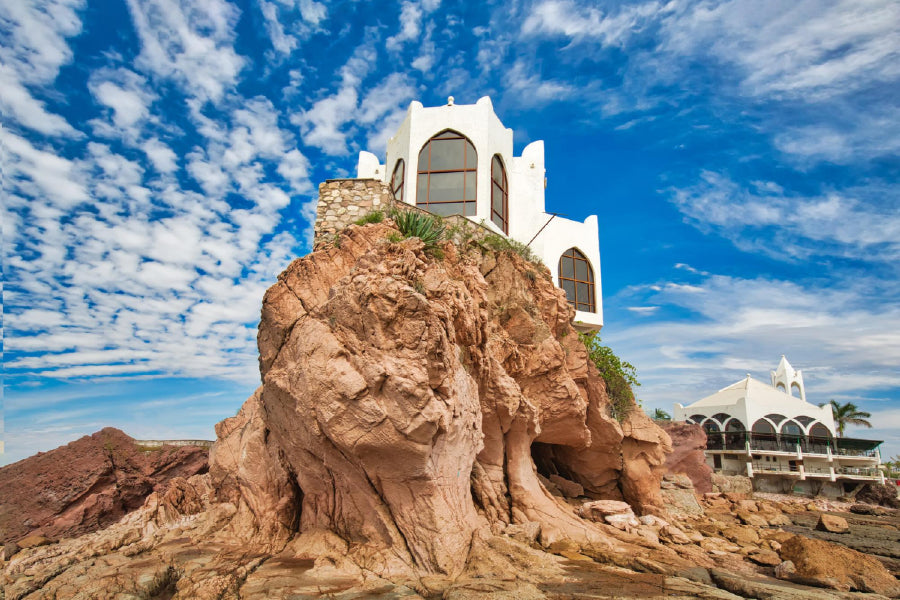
(163, 158)
(530, 89)
(190, 43)
(566, 18)
(850, 223)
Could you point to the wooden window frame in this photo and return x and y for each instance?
(575, 255)
(466, 171)
(501, 220)
(400, 167)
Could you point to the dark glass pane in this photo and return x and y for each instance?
(447, 134)
(566, 268)
(446, 155)
(496, 199)
(471, 156)
(581, 270)
(446, 187)
(470, 209)
(498, 221)
(496, 170)
(470, 186)
(422, 189)
(569, 287)
(584, 292)
(449, 208)
(423, 158)
(584, 307)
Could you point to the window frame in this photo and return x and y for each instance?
(503, 187)
(399, 167)
(575, 255)
(467, 203)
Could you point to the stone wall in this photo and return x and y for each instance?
(343, 201)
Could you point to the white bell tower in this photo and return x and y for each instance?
(789, 381)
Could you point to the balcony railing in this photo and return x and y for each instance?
(790, 443)
(857, 472)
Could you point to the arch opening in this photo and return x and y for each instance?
(499, 195)
(397, 178)
(576, 278)
(446, 175)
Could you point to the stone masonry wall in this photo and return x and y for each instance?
(343, 201)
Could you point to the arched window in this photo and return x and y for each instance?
(763, 426)
(780, 387)
(795, 387)
(711, 426)
(446, 175)
(697, 419)
(735, 425)
(576, 277)
(776, 418)
(791, 428)
(499, 195)
(397, 180)
(819, 431)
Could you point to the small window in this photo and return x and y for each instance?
(446, 175)
(397, 180)
(576, 277)
(499, 195)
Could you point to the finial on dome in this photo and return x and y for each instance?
(449, 100)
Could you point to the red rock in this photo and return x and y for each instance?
(87, 485)
(822, 563)
(688, 456)
(833, 524)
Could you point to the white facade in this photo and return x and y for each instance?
(526, 182)
(760, 429)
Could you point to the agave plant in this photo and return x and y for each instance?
(427, 228)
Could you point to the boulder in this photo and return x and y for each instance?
(527, 533)
(876, 493)
(34, 541)
(752, 519)
(597, 509)
(764, 557)
(832, 524)
(732, 484)
(742, 536)
(8, 550)
(824, 564)
(688, 457)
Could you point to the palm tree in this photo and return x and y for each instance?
(848, 414)
(661, 415)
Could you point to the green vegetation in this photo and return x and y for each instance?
(376, 216)
(661, 415)
(499, 243)
(428, 228)
(848, 414)
(619, 375)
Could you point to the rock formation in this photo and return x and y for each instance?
(87, 484)
(408, 396)
(688, 456)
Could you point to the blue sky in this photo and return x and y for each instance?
(161, 159)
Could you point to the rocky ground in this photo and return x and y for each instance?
(429, 426)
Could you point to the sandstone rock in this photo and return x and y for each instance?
(764, 557)
(777, 519)
(824, 564)
(625, 521)
(674, 535)
(527, 533)
(653, 521)
(747, 505)
(741, 535)
(34, 541)
(600, 508)
(751, 519)
(785, 570)
(8, 551)
(569, 489)
(716, 544)
(868, 509)
(732, 484)
(832, 523)
(688, 457)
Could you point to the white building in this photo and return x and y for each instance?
(769, 432)
(458, 159)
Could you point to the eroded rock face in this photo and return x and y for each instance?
(87, 485)
(830, 565)
(688, 457)
(410, 398)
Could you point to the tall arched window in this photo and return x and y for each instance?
(576, 277)
(499, 195)
(397, 180)
(446, 175)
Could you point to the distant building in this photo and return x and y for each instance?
(458, 159)
(769, 432)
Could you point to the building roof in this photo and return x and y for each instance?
(751, 390)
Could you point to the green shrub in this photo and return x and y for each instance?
(376, 216)
(427, 228)
(499, 243)
(619, 375)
